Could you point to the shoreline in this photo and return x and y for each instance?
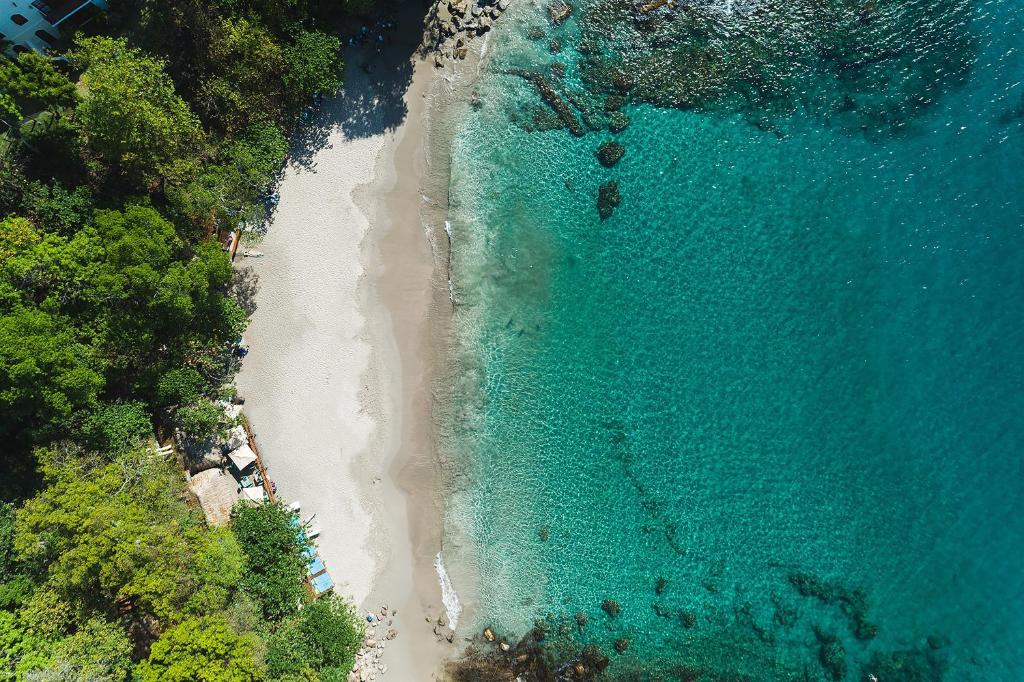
(350, 337)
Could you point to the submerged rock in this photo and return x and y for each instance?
(581, 619)
(617, 121)
(831, 655)
(610, 606)
(594, 658)
(608, 198)
(559, 11)
(687, 619)
(543, 533)
(662, 610)
(609, 153)
(621, 645)
(614, 102)
(553, 99)
(660, 585)
(853, 603)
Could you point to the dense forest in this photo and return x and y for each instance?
(124, 156)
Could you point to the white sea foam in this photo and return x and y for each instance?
(449, 598)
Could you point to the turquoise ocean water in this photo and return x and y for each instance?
(772, 406)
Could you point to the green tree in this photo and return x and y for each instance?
(274, 562)
(203, 650)
(313, 65)
(45, 373)
(54, 208)
(200, 420)
(103, 533)
(98, 650)
(333, 633)
(245, 86)
(324, 638)
(118, 427)
(229, 191)
(130, 116)
(180, 386)
(32, 80)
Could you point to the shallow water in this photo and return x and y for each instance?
(795, 349)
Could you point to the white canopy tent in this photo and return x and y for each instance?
(242, 457)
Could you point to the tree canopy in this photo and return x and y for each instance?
(124, 162)
(131, 118)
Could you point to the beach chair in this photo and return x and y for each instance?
(316, 565)
(321, 583)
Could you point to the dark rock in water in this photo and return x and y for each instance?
(785, 615)
(622, 82)
(938, 641)
(489, 634)
(617, 121)
(662, 610)
(555, 46)
(594, 658)
(543, 533)
(687, 619)
(660, 585)
(545, 119)
(581, 619)
(621, 645)
(745, 618)
(831, 655)
(535, 33)
(614, 102)
(610, 606)
(608, 198)
(863, 629)
(553, 99)
(557, 70)
(559, 11)
(609, 153)
(853, 603)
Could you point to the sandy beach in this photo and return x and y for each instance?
(349, 307)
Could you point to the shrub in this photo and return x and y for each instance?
(275, 565)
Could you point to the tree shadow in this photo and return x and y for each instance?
(377, 75)
(243, 288)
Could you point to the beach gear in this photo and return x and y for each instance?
(321, 583)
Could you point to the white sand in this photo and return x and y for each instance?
(304, 376)
(337, 380)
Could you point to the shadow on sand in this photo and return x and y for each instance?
(372, 99)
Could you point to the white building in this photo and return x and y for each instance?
(35, 24)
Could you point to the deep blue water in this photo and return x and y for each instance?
(795, 349)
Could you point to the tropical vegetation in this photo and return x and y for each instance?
(124, 160)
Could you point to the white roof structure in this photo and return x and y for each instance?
(253, 494)
(242, 457)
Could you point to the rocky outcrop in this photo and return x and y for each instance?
(608, 198)
(831, 655)
(554, 100)
(450, 26)
(559, 11)
(609, 154)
